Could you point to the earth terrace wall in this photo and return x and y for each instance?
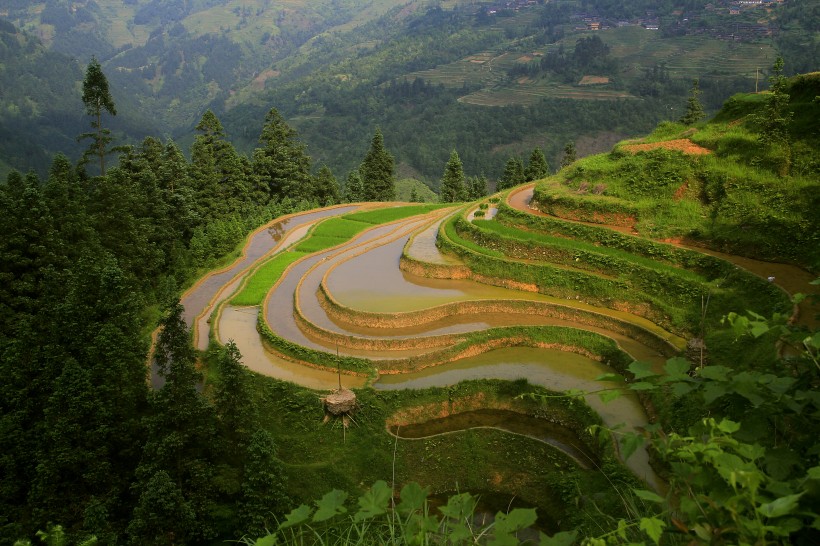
(589, 344)
(682, 292)
(582, 440)
(565, 283)
(712, 268)
(563, 202)
(345, 315)
(563, 411)
(348, 341)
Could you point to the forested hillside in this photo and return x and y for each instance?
(487, 80)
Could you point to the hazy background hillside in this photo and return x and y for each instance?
(490, 79)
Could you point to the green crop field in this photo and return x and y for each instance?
(635, 48)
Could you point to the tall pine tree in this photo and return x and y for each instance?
(537, 167)
(513, 174)
(451, 189)
(694, 109)
(376, 171)
(281, 163)
(97, 99)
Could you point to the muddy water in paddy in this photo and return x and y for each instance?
(198, 300)
(239, 324)
(554, 370)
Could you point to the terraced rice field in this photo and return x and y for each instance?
(431, 297)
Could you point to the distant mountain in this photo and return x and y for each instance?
(489, 79)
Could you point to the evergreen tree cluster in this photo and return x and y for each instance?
(85, 260)
(515, 172)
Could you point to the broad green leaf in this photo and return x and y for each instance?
(780, 507)
(757, 329)
(413, 497)
(814, 473)
(641, 369)
(459, 506)
(609, 396)
(653, 527)
(781, 385)
(506, 525)
(740, 325)
(458, 533)
(748, 389)
(610, 377)
(682, 389)
(648, 495)
(713, 391)
(630, 443)
(269, 540)
(677, 367)
(715, 373)
(516, 520)
(813, 341)
(330, 505)
(564, 538)
(374, 502)
(643, 386)
(297, 516)
(728, 426)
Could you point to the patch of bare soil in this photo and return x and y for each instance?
(681, 144)
(594, 80)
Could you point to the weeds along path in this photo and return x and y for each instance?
(205, 295)
(790, 278)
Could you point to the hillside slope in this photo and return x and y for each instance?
(724, 183)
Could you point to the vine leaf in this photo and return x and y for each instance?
(564, 538)
(780, 507)
(648, 495)
(297, 516)
(641, 369)
(676, 369)
(630, 444)
(609, 396)
(330, 505)
(374, 502)
(653, 527)
(506, 525)
(412, 496)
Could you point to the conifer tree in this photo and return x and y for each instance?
(281, 163)
(220, 179)
(513, 174)
(537, 167)
(263, 498)
(774, 118)
(97, 99)
(452, 182)
(476, 187)
(694, 109)
(182, 434)
(376, 171)
(570, 154)
(326, 187)
(232, 399)
(353, 187)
